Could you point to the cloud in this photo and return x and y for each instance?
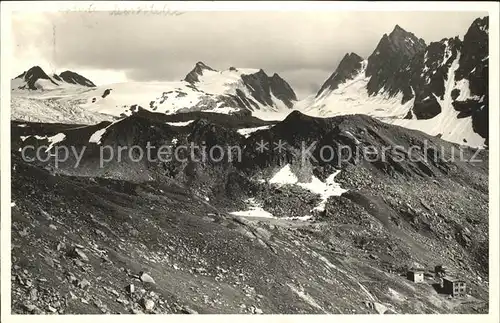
(303, 47)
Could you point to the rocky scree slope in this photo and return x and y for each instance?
(82, 237)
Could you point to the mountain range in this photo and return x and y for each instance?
(36, 79)
(440, 88)
(232, 91)
(99, 228)
(267, 233)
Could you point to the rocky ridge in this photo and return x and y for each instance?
(426, 78)
(30, 79)
(166, 227)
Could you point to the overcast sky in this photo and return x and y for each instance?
(303, 47)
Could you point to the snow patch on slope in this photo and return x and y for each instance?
(463, 86)
(180, 123)
(325, 189)
(284, 176)
(54, 140)
(254, 210)
(96, 137)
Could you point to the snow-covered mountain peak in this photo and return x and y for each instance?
(36, 79)
(232, 91)
(441, 88)
(404, 42)
(75, 78)
(33, 79)
(244, 84)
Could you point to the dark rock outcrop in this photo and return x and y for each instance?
(57, 78)
(261, 87)
(106, 93)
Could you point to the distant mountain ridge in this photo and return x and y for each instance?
(36, 79)
(242, 91)
(404, 78)
(261, 86)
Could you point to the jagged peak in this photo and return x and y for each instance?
(398, 41)
(259, 74)
(399, 33)
(37, 70)
(348, 66)
(280, 86)
(192, 76)
(32, 75)
(203, 66)
(68, 72)
(398, 29)
(450, 39)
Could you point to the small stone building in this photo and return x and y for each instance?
(415, 275)
(454, 287)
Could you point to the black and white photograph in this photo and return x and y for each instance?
(224, 158)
